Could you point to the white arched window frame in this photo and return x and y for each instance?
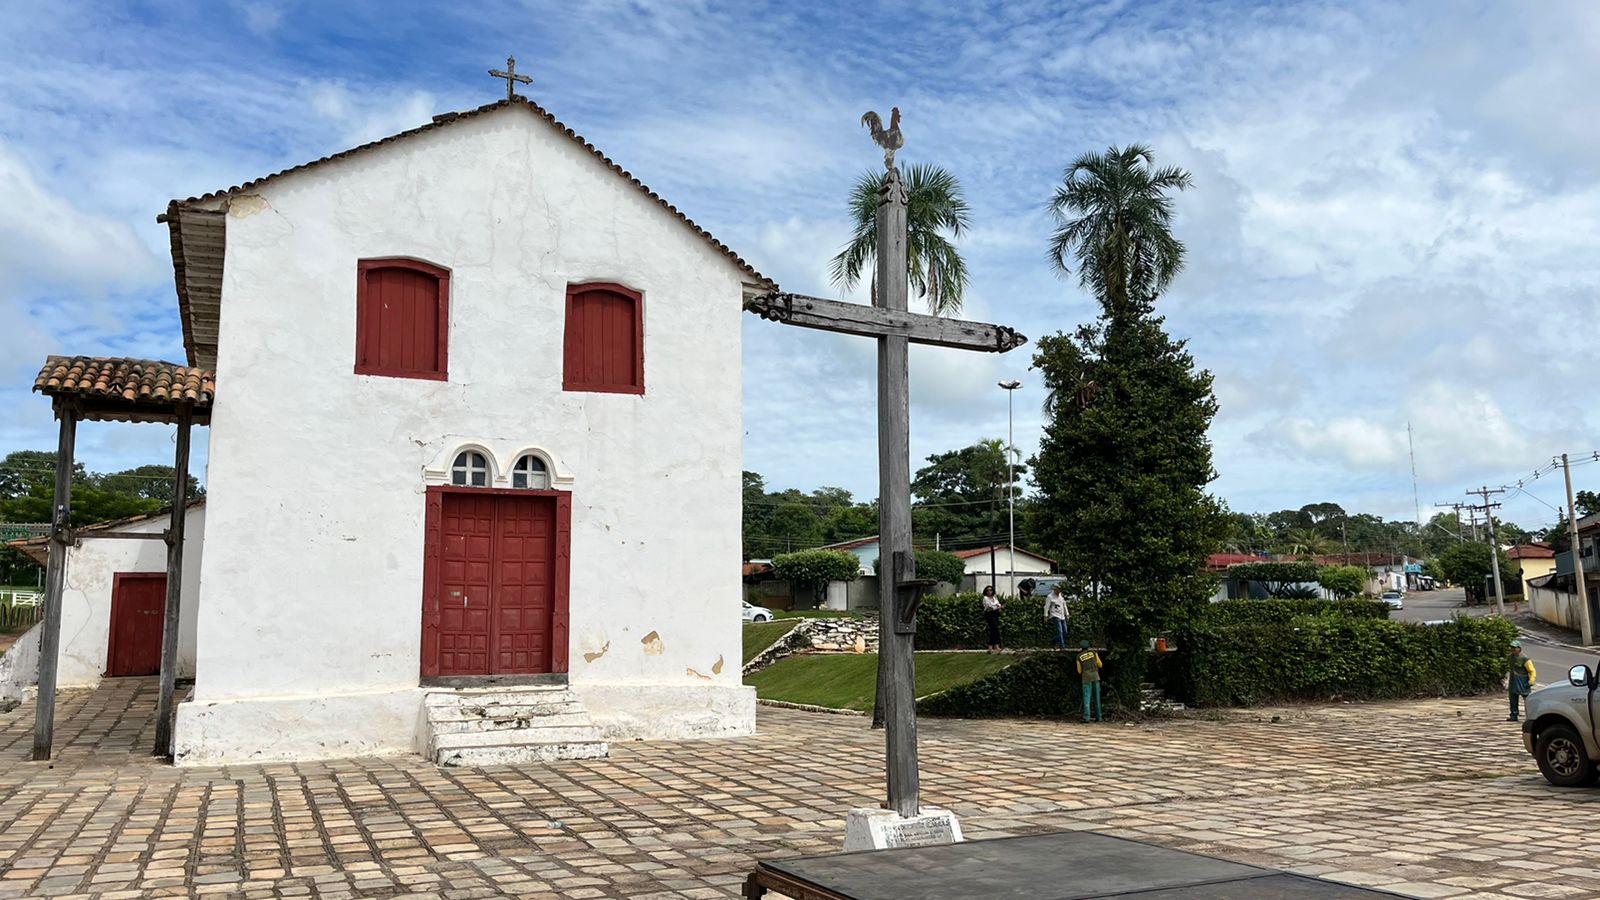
(470, 469)
(530, 473)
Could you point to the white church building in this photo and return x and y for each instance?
(474, 456)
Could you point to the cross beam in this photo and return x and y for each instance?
(878, 321)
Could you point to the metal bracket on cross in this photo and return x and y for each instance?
(910, 589)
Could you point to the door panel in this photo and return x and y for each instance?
(138, 614)
(524, 589)
(466, 562)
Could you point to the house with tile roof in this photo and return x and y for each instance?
(473, 395)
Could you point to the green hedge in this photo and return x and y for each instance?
(956, 622)
(1261, 612)
(1336, 657)
(1040, 685)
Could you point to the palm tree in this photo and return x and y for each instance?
(1114, 224)
(1306, 541)
(935, 204)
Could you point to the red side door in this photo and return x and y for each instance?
(524, 583)
(138, 606)
(466, 569)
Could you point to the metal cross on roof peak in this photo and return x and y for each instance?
(511, 77)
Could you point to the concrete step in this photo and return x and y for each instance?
(509, 724)
(574, 734)
(533, 693)
(470, 710)
(470, 724)
(517, 754)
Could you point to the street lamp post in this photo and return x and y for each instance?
(1011, 480)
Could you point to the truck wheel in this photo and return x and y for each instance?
(1562, 759)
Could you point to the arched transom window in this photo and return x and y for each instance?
(530, 473)
(470, 470)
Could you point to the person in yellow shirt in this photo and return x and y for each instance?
(1089, 670)
(1523, 677)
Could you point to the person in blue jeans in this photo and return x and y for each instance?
(1055, 615)
(1089, 670)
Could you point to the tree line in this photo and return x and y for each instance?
(27, 492)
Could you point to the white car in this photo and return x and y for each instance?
(1395, 599)
(755, 613)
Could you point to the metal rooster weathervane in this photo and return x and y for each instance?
(890, 140)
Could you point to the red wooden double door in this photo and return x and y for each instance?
(495, 582)
(138, 614)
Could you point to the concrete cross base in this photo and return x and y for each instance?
(885, 829)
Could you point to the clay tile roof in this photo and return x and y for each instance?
(135, 381)
(1531, 551)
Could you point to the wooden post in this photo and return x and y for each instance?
(896, 664)
(44, 716)
(169, 628)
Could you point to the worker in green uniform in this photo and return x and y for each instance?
(1522, 679)
(1089, 671)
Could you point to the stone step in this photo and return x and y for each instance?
(571, 734)
(469, 710)
(534, 693)
(470, 724)
(516, 754)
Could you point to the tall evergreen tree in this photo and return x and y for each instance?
(1122, 478)
(1124, 463)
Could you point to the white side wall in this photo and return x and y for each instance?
(313, 570)
(86, 595)
(1025, 563)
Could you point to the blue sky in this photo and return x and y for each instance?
(1393, 218)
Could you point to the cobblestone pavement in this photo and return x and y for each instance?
(1432, 799)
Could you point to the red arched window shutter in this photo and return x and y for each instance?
(402, 318)
(604, 346)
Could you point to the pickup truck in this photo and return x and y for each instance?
(1560, 730)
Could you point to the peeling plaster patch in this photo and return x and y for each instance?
(246, 205)
(652, 644)
(700, 675)
(716, 669)
(591, 657)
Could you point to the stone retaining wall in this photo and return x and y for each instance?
(838, 635)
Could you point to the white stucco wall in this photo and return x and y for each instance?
(1025, 563)
(86, 595)
(312, 581)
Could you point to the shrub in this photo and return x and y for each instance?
(1278, 577)
(814, 569)
(1043, 684)
(1337, 656)
(956, 622)
(935, 564)
(1342, 581)
(1260, 612)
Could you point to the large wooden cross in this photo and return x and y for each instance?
(899, 589)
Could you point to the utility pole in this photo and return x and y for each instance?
(1494, 545)
(1585, 615)
(1011, 481)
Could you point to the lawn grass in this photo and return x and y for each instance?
(815, 614)
(848, 680)
(758, 636)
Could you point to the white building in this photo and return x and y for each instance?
(111, 608)
(476, 423)
(1007, 569)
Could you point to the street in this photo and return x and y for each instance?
(1551, 660)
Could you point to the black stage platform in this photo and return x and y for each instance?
(1071, 865)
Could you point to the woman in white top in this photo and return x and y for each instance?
(991, 616)
(1055, 615)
